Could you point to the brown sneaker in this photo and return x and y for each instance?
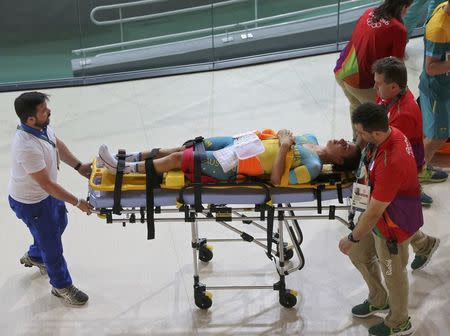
(71, 295)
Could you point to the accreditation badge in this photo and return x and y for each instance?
(360, 196)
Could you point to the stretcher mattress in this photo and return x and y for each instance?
(101, 191)
(238, 195)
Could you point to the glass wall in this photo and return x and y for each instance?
(71, 42)
(37, 39)
(121, 36)
(256, 27)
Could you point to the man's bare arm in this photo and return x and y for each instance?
(369, 218)
(65, 154)
(434, 66)
(67, 157)
(365, 224)
(57, 191)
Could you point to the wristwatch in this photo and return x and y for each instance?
(350, 237)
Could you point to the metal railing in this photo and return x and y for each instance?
(121, 20)
(243, 25)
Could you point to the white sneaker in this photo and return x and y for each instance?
(110, 161)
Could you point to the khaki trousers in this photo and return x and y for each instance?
(367, 256)
(356, 97)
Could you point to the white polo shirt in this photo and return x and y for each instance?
(31, 154)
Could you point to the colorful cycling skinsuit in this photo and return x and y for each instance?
(305, 166)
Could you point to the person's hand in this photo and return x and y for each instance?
(285, 137)
(345, 245)
(85, 169)
(85, 207)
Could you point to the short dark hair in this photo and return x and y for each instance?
(393, 70)
(25, 105)
(350, 162)
(372, 117)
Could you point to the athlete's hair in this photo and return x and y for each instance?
(351, 162)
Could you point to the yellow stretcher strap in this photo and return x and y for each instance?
(287, 167)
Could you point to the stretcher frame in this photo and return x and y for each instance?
(197, 210)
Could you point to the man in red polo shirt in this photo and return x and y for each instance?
(390, 77)
(393, 214)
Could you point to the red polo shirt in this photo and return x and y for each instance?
(406, 116)
(393, 177)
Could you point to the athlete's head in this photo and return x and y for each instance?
(344, 155)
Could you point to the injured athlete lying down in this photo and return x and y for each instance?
(307, 158)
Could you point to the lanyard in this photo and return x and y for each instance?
(394, 101)
(41, 136)
(44, 137)
(365, 165)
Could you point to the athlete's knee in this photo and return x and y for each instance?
(176, 159)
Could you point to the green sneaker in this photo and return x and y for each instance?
(365, 309)
(383, 330)
(420, 261)
(432, 175)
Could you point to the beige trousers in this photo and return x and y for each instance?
(372, 258)
(356, 97)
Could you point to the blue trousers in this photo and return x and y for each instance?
(46, 221)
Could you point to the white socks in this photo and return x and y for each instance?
(132, 157)
(110, 161)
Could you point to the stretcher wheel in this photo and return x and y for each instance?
(205, 253)
(288, 254)
(203, 300)
(288, 299)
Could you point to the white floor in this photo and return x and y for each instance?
(140, 287)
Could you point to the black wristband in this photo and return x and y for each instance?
(350, 237)
(77, 166)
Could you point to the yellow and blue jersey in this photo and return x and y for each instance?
(437, 45)
(305, 166)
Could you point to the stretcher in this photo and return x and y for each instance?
(141, 198)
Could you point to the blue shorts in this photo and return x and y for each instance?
(435, 114)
